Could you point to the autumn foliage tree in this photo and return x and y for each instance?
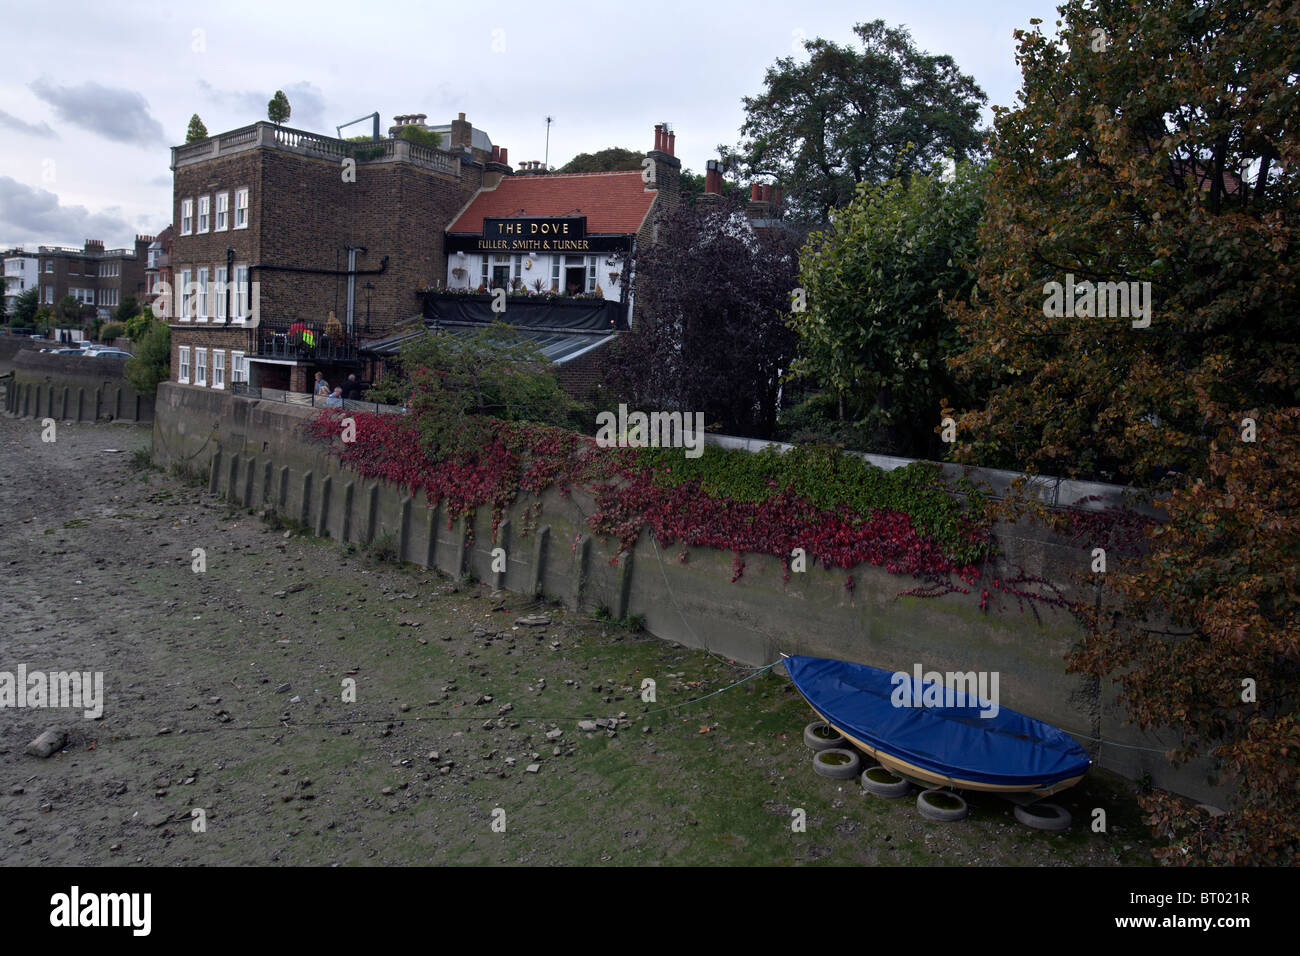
(1156, 143)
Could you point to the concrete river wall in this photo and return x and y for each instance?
(255, 453)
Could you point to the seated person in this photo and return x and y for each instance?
(336, 398)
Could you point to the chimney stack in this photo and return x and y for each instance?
(462, 133)
(713, 177)
(672, 143)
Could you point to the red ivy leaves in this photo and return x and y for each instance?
(520, 456)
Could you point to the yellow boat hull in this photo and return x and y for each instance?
(905, 769)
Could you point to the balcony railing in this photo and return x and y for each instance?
(304, 341)
(314, 144)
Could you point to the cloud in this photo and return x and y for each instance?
(31, 129)
(306, 100)
(118, 114)
(30, 215)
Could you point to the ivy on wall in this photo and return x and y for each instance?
(842, 511)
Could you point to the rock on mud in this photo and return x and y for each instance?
(47, 744)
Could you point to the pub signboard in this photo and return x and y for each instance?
(536, 234)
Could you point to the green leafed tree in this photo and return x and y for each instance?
(277, 109)
(25, 307)
(454, 382)
(873, 331)
(196, 131)
(129, 306)
(846, 116)
(613, 159)
(152, 361)
(68, 312)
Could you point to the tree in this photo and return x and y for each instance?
(25, 307)
(1128, 166)
(68, 312)
(277, 109)
(1156, 144)
(874, 330)
(453, 382)
(712, 298)
(613, 159)
(846, 117)
(152, 361)
(137, 326)
(197, 130)
(129, 306)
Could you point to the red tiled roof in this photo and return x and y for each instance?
(614, 203)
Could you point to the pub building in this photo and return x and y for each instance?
(284, 267)
(562, 245)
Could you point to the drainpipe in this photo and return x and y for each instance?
(230, 277)
(352, 284)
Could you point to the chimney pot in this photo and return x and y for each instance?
(672, 144)
(776, 195)
(505, 156)
(755, 193)
(461, 117)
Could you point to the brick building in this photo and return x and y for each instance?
(96, 277)
(294, 253)
(158, 263)
(291, 249)
(564, 245)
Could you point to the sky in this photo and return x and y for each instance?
(92, 99)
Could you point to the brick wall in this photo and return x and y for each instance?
(224, 340)
(302, 213)
(583, 377)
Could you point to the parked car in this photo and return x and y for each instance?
(107, 353)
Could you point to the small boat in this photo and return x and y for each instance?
(963, 742)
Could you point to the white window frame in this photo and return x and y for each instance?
(201, 308)
(219, 294)
(205, 214)
(557, 270)
(238, 367)
(49, 295)
(49, 266)
(186, 293)
(218, 368)
(221, 212)
(241, 208)
(239, 300)
(201, 367)
(183, 365)
(187, 217)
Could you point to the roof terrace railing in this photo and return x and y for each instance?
(262, 134)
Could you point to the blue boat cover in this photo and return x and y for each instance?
(1006, 748)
